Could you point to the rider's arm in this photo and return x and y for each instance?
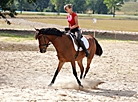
(76, 23)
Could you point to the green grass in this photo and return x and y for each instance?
(40, 15)
(24, 37)
(16, 37)
(117, 25)
(81, 16)
(130, 7)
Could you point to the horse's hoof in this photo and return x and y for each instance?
(80, 86)
(50, 84)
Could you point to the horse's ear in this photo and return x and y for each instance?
(36, 29)
(36, 34)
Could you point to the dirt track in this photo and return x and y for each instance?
(24, 75)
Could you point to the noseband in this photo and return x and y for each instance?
(45, 41)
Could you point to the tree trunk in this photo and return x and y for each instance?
(21, 6)
(111, 11)
(21, 9)
(41, 9)
(93, 11)
(58, 10)
(114, 12)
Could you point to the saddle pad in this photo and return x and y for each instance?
(85, 41)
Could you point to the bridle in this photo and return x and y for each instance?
(45, 40)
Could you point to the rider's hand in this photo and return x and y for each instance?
(69, 31)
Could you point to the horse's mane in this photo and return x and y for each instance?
(51, 31)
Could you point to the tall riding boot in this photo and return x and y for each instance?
(83, 47)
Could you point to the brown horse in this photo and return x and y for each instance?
(65, 50)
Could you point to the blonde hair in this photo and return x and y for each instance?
(67, 5)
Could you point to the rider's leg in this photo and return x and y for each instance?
(80, 42)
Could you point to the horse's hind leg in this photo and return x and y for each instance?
(60, 64)
(81, 67)
(75, 73)
(89, 59)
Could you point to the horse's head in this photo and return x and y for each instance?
(45, 36)
(42, 39)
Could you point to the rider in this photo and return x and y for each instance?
(74, 27)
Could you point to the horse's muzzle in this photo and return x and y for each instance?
(43, 50)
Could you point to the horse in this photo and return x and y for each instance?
(65, 50)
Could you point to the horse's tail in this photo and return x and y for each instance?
(99, 50)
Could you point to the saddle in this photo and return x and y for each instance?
(76, 45)
(74, 37)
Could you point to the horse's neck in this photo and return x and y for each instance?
(62, 43)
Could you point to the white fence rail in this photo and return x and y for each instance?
(79, 14)
(110, 31)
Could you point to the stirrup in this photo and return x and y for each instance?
(87, 53)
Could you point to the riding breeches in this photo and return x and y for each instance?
(77, 33)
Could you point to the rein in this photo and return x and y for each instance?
(48, 39)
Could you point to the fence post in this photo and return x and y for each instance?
(94, 21)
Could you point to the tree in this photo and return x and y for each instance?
(79, 5)
(91, 4)
(113, 4)
(24, 5)
(41, 5)
(58, 4)
(5, 5)
(51, 7)
(97, 6)
(100, 8)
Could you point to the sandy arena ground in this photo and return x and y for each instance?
(25, 73)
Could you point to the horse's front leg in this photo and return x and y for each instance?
(75, 73)
(81, 67)
(60, 64)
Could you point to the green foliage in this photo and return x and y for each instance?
(7, 5)
(91, 4)
(40, 5)
(24, 5)
(101, 8)
(58, 4)
(79, 5)
(113, 4)
(97, 6)
(31, 1)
